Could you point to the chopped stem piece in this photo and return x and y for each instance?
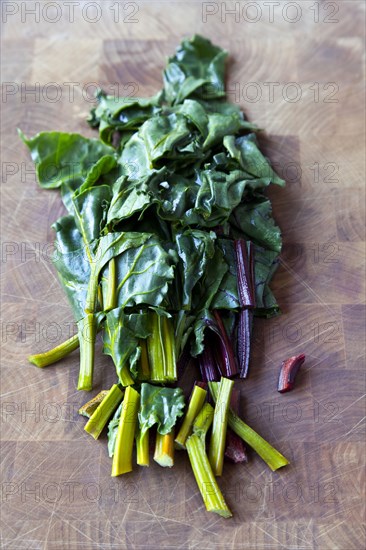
(210, 491)
(142, 448)
(104, 411)
(111, 298)
(195, 405)
(235, 449)
(53, 355)
(271, 456)
(219, 426)
(122, 457)
(87, 328)
(164, 449)
(203, 420)
(288, 372)
(89, 407)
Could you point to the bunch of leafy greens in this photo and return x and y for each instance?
(148, 250)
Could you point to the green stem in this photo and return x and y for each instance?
(89, 407)
(155, 349)
(111, 298)
(104, 411)
(87, 329)
(210, 491)
(194, 407)
(271, 456)
(203, 421)
(219, 427)
(142, 448)
(92, 292)
(122, 457)
(125, 377)
(169, 350)
(161, 349)
(164, 449)
(53, 355)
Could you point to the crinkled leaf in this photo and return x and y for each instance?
(90, 210)
(143, 274)
(226, 296)
(266, 263)
(208, 285)
(162, 136)
(62, 158)
(245, 150)
(121, 339)
(72, 264)
(121, 113)
(161, 406)
(194, 248)
(254, 219)
(198, 67)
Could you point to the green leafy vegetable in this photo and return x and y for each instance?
(168, 247)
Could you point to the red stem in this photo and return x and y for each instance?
(289, 369)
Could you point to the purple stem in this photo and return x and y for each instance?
(183, 362)
(244, 337)
(207, 364)
(289, 369)
(228, 365)
(245, 271)
(235, 450)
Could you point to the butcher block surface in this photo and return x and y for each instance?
(57, 492)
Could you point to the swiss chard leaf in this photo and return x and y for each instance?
(162, 136)
(161, 406)
(143, 274)
(121, 340)
(90, 211)
(195, 248)
(197, 68)
(254, 219)
(71, 262)
(218, 194)
(245, 150)
(121, 113)
(227, 293)
(266, 263)
(62, 158)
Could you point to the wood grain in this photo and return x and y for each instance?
(57, 492)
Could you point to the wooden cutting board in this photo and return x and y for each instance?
(297, 71)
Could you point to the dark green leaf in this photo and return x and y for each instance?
(62, 158)
(144, 271)
(198, 68)
(245, 150)
(161, 406)
(195, 248)
(72, 264)
(254, 220)
(266, 263)
(121, 340)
